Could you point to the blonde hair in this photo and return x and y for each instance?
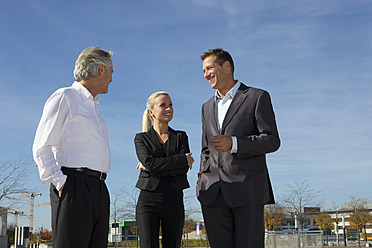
(147, 119)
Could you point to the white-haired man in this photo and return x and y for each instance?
(71, 150)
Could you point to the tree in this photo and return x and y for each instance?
(360, 215)
(123, 204)
(324, 221)
(41, 236)
(188, 227)
(274, 216)
(13, 174)
(123, 207)
(10, 231)
(192, 206)
(299, 195)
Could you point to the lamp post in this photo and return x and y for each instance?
(343, 225)
(296, 225)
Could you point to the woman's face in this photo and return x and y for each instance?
(162, 111)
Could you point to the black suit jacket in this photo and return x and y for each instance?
(173, 166)
(242, 177)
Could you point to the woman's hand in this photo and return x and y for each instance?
(190, 160)
(141, 167)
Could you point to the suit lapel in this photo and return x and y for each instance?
(210, 115)
(240, 96)
(155, 140)
(172, 141)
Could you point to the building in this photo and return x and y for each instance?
(122, 231)
(292, 222)
(341, 218)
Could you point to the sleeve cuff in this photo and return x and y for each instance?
(58, 183)
(234, 148)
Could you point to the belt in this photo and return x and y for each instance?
(86, 171)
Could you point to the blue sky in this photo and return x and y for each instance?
(314, 57)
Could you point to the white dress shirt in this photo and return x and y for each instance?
(71, 133)
(221, 107)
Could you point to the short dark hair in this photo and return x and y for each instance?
(221, 57)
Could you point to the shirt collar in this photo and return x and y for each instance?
(84, 92)
(231, 93)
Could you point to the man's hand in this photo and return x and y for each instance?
(141, 167)
(60, 191)
(221, 143)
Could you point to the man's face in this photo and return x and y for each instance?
(106, 79)
(213, 72)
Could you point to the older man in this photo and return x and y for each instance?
(71, 150)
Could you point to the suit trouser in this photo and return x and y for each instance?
(160, 209)
(240, 227)
(80, 218)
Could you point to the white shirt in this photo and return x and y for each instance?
(222, 105)
(71, 133)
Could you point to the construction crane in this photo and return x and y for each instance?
(32, 204)
(15, 213)
(42, 204)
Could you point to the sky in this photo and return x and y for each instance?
(314, 57)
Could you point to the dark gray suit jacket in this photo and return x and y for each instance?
(173, 165)
(242, 177)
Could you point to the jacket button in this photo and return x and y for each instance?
(220, 165)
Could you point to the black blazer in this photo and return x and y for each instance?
(242, 177)
(173, 166)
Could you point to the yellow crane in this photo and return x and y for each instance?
(32, 205)
(15, 213)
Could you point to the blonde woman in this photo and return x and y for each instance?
(165, 159)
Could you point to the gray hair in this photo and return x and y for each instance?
(87, 64)
(147, 119)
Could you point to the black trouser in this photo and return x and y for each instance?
(240, 227)
(160, 209)
(80, 218)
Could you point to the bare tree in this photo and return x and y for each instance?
(123, 207)
(123, 204)
(192, 207)
(360, 215)
(298, 196)
(13, 174)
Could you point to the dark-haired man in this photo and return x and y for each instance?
(239, 129)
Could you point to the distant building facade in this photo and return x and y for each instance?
(342, 217)
(122, 231)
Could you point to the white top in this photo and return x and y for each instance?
(222, 106)
(71, 133)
